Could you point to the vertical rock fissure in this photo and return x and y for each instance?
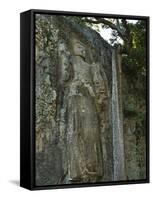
(117, 124)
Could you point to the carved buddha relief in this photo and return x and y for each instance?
(83, 124)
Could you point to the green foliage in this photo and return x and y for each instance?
(134, 63)
(134, 68)
(77, 19)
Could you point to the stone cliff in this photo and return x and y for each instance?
(82, 132)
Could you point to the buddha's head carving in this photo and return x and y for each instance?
(78, 48)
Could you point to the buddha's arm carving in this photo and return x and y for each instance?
(65, 71)
(99, 84)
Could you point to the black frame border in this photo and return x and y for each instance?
(27, 99)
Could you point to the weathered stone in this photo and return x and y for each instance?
(81, 132)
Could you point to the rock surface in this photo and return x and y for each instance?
(81, 136)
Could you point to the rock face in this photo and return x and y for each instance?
(117, 119)
(134, 112)
(79, 115)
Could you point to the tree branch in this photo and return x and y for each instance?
(108, 23)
